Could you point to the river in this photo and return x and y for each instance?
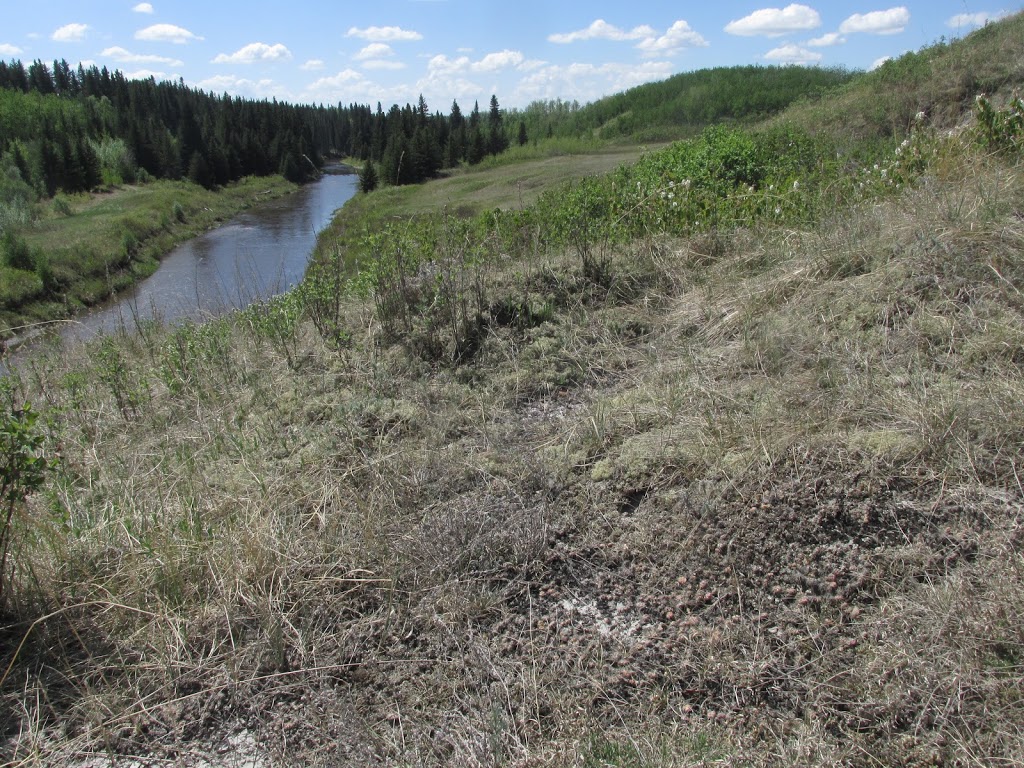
(259, 253)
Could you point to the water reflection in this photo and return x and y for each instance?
(258, 254)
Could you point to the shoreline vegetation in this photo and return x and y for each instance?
(708, 457)
(98, 244)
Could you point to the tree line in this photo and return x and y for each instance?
(72, 129)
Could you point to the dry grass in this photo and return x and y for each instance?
(757, 503)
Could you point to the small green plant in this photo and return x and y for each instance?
(15, 252)
(61, 206)
(1001, 129)
(22, 470)
(179, 212)
(129, 394)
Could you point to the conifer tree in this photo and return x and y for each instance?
(368, 177)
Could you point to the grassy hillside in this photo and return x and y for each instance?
(683, 104)
(713, 459)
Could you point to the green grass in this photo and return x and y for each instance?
(106, 241)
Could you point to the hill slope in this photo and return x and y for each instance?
(719, 469)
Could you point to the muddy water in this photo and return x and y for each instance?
(260, 253)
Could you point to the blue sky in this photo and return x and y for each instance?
(521, 50)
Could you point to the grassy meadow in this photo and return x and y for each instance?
(707, 454)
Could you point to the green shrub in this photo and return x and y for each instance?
(15, 252)
(22, 471)
(61, 206)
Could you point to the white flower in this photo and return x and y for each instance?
(671, 195)
(919, 117)
(796, 185)
(671, 184)
(777, 210)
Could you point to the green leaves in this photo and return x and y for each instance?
(1001, 129)
(23, 470)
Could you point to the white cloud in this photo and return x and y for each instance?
(166, 33)
(350, 86)
(145, 74)
(344, 77)
(602, 30)
(374, 51)
(125, 56)
(832, 38)
(313, 65)
(775, 22)
(493, 62)
(240, 86)
(6, 49)
(384, 34)
(587, 82)
(792, 54)
(143, 8)
(70, 33)
(253, 52)
(890, 22)
(879, 62)
(970, 20)
(441, 64)
(680, 35)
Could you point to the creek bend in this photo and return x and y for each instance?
(257, 254)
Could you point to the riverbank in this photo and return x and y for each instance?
(88, 248)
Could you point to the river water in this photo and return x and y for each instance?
(258, 254)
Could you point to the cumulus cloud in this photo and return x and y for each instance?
(145, 74)
(344, 77)
(775, 22)
(144, 8)
(313, 65)
(890, 22)
(166, 33)
(70, 33)
(679, 36)
(879, 62)
(792, 54)
(384, 34)
(493, 62)
(441, 65)
(351, 86)
(374, 51)
(253, 52)
(6, 49)
(971, 20)
(602, 30)
(588, 81)
(120, 54)
(832, 38)
(240, 86)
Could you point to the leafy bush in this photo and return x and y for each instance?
(61, 206)
(22, 470)
(1001, 129)
(15, 252)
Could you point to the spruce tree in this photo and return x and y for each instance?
(368, 177)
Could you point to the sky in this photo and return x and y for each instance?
(393, 51)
